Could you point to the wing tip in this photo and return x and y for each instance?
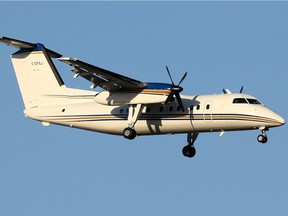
(17, 43)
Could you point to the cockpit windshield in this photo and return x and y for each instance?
(240, 101)
(253, 101)
(245, 101)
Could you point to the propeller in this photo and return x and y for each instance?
(175, 90)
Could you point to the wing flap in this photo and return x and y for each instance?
(103, 78)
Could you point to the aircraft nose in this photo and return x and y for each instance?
(276, 119)
(279, 119)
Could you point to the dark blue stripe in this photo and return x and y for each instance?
(160, 86)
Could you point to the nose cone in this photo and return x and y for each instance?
(280, 120)
(272, 118)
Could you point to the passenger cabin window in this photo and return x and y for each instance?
(240, 101)
(253, 101)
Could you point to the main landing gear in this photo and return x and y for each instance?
(262, 138)
(189, 150)
(133, 115)
(129, 133)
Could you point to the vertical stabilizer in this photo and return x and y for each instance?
(36, 74)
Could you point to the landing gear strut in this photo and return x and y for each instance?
(133, 115)
(262, 138)
(189, 150)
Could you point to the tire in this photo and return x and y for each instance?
(189, 151)
(129, 133)
(262, 139)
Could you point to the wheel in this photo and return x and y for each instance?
(262, 139)
(189, 151)
(129, 133)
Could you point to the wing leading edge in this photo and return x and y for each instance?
(105, 79)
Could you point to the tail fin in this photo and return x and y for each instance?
(36, 74)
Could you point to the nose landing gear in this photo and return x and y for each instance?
(262, 138)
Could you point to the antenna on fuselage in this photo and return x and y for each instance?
(241, 89)
(227, 91)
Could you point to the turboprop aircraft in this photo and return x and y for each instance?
(126, 106)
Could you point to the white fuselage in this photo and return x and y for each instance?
(126, 106)
(203, 113)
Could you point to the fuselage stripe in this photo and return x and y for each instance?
(175, 117)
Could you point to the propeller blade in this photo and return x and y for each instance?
(169, 98)
(169, 75)
(175, 90)
(184, 76)
(179, 100)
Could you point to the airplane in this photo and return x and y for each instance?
(126, 106)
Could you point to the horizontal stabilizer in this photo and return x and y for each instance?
(17, 43)
(30, 46)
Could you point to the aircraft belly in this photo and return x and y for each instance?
(225, 125)
(142, 127)
(162, 126)
(224, 122)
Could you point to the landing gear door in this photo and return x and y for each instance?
(207, 111)
(191, 110)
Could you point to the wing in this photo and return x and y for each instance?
(105, 79)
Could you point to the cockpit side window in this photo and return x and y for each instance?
(240, 101)
(253, 101)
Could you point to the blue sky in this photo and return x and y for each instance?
(60, 171)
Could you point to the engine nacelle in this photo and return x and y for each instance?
(124, 98)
